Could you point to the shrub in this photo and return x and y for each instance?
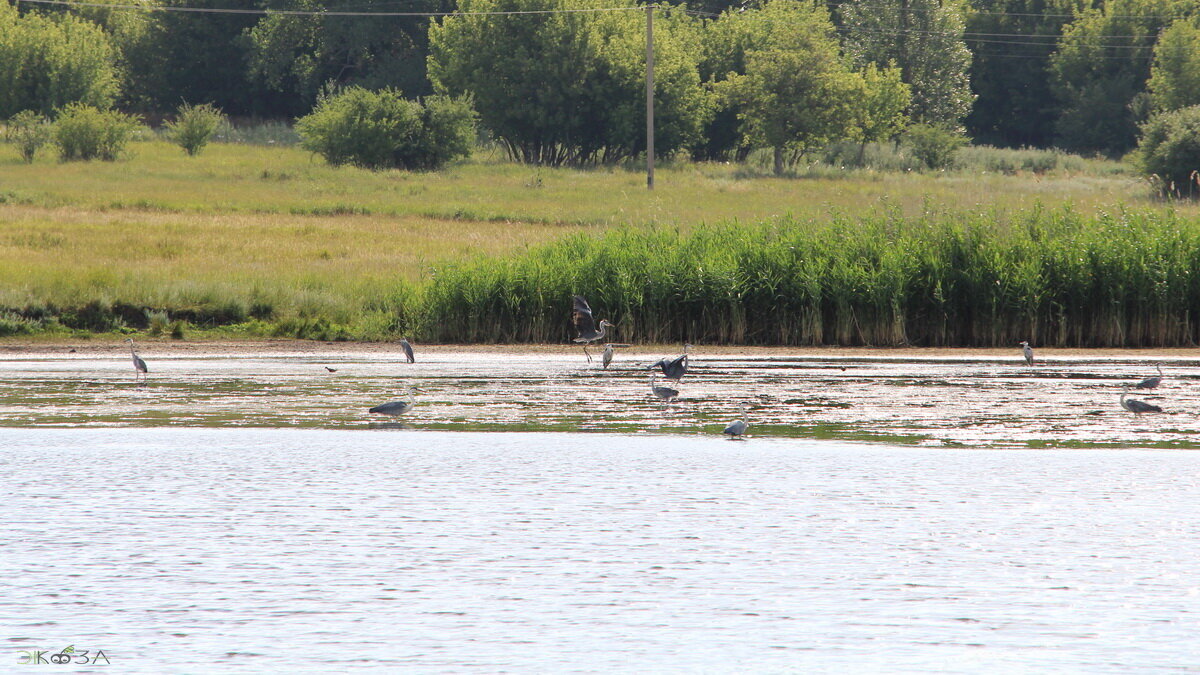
(1170, 151)
(30, 131)
(84, 132)
(934, 145)
(194, 126)
(382, 130)
(158, 321)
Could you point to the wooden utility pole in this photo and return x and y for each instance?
(649, 97)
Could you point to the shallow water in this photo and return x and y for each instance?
(246, 514)
(970, 402)
(267, 550)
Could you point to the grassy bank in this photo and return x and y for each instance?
(254, 240)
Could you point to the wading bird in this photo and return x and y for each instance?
(1137, 407)
(139, 366)
(606, 357)
(396, 407)
(738, 427)
(332, 370)
(676, 368)
(585, 325)
(665, 393)
(1028, 353)
(408, 352)
(1151, 382)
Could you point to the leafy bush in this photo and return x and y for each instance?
(383, 130)
(1170, 151)
(30, 131)
(1011, 161)
(83, 132)
(934, 145)
(194, 126)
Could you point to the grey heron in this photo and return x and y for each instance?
(408, 352)
(676, 368)
(332, 370)
(1151, 382)
(139, 366)
(665, 393)
(396, 407)
(606, 357)
(1137, 407)
(738, 427)
(1028, 352)
(585, 325)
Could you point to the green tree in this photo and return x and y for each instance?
(796, 92)
(923, 38)
(47, 62)
(29, 131)
(1170, 151)
(1101, 66)
(881, 109)
(297, 55)
(1014, 106)
(194, 125)
(1175, 75)
(569, 87)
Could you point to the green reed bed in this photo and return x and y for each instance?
(981, 279)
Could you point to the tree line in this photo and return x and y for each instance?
(566, 86)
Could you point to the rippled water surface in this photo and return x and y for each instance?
(975, 402)
(248, 515)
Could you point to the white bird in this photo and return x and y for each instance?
(1137, 407)
(738, 427)
(408, 352)
(1028, 353)
(1151, 382)
(139, 366)
(606, 357)
(396, 407)
(665, 393)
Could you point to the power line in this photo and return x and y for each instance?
(297, 12)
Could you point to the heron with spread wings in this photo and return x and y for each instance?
(585, 325)
(676, 368)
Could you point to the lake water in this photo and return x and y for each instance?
(247, 515)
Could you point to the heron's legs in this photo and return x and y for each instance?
(585, 353)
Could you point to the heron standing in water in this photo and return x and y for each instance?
(139, 366)
(585, 325)
(396, 407)
(738, 427)
(1138, 407)
(1028, 352)
(408, 352)
(1151, 382)
(665, 393)
(606, 357)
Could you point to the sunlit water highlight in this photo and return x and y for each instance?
(190, 526)
(973, 402)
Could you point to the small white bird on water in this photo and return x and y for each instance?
(738, 427)
(1151, 382)
(139, 366)
(1028, 352)
(1137, 407)
(396, 407)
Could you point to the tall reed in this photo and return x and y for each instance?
(940, 279)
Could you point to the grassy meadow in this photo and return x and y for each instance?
(268, 240)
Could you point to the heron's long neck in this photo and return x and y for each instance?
(131, 352)
(603, 327)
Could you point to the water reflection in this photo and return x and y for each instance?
(933, 401)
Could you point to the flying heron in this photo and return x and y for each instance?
(408, 352)
(665, 393)
(585, 325)
(396, 407)
(676, 368)
(1151, 382)
(139, 366)
(1028, 352)
(1137, 407)
(738, 427)
(606, 357)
